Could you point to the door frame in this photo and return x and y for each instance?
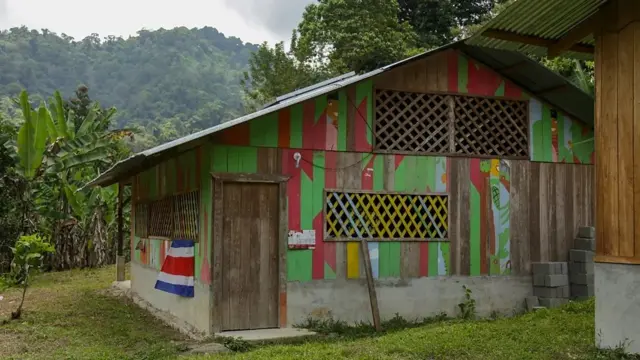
(218, 181)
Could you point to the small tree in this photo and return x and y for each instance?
(28, 254)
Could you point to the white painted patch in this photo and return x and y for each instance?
(305, 239)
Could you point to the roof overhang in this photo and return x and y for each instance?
(543, 28)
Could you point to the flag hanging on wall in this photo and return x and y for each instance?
(176, 275)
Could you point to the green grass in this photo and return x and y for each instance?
(69, 316)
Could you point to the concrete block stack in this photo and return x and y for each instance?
(551, 283)
(581, 264)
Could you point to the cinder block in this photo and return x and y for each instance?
(550, 268)
(587, 232)
(584, 244)
(556, 280)
(552, 302)
(581, 290)
(563, 292)
(583, 256)
(549, 292)
(538, 280)
(580, 298)
(532, 302)
(581, 279)
(581, 268)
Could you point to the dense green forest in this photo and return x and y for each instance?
(168, 82)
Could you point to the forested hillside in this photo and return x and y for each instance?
(170, 82)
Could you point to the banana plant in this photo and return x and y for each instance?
(31, 143)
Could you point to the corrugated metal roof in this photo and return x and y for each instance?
(523, 71)
(547, 19)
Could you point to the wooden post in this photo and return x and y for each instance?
(617, 133)
(373, 299)
(120, 237)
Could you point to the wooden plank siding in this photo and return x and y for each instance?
(618, 143)
(544, 203)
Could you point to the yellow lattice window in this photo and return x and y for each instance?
(386, 216)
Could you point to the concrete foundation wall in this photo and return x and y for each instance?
(193, 311)
(348, 300)
(617, 306)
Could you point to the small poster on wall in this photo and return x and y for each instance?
(305, 239)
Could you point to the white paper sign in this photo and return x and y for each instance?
(305, 239)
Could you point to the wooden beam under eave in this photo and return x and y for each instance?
(573, 36)
(533, 40)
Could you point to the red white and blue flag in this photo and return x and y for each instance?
(176, 275)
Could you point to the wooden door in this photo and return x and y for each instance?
(249, 298)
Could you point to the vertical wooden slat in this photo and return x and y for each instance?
(351, 117)
(636, 138)
(459, 224)
(625, 141)
(560, 216)
(443, 71)
(598, 144)
(607, 151)
(569, 209)
(341, 247)
(218, 316)
(283, 230)
(534, 212)
(519, 207)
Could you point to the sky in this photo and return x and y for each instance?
(252, 21)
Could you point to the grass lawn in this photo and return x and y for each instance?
(68, 316)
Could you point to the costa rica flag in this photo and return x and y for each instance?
(177, 273)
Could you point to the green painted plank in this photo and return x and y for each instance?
(295, 130)
(474, 236)
(264, 131)
(299, 265)
(171, 176)
(248, 159)
(320, 108)
(364, 92)
(342, 121)
(399, 176)
(306, 202)
(233, 159)
(395, 254)
(546, 134)
(153, 182)
(384, 264)
(433, 259)
(445, 250)
(220, 158)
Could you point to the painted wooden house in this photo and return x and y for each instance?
(459, 166)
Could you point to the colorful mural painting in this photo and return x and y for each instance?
(326, 143)
(489, 213)
(342, 124)
(555, 137)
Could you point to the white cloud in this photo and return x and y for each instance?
(250, 20)
(279, 16)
